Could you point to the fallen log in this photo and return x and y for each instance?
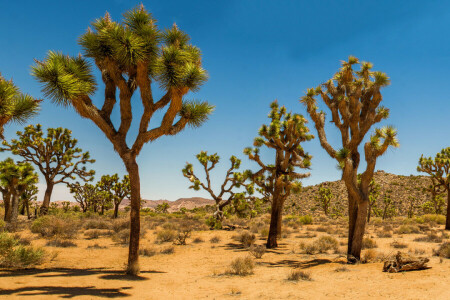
(403, 262)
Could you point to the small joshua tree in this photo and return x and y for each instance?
(28, 196)
(284, 134)
(437, 202)
(130, 55)
(353, 98)
(439, 170)
(15, 106)
(374, 193)
(85, 195)
(15, 179)
(323, 199)
(227, 193)
(115, 189)
(55, 155)
(162, 208)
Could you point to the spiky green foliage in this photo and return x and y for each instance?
(323, 199)
(14, 105)
(86, 195)
(229, 193)
(56, 155)
(439, 170)
(14, 181)
(284, 134)
(115, 190)
(162, 208)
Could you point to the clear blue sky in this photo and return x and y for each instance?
(255, 52)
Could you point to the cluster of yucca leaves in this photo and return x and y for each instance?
(284, 134)
(438, 168)
(15, 106)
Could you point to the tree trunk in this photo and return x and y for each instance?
(116, 210)
(357, 226)
(135, 225)
(14, 207)
(447, 222)
(7, 203)
(369, 212)
(47, 196)
(27, 207)
(275, 224)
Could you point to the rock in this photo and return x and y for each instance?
(404, 262)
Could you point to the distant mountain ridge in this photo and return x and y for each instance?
(188, 203)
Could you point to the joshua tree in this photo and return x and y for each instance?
(162, 208)
(15, 106)
(130, 55)
(85, 195)
(323, 199)
(353, 98)
(374, 193)
(55, 155)
(233, 180)
(389, 209)
(284, 134)
(439, 170)
(115, 189)
(15, 179)
(29, 195)
(437, 202)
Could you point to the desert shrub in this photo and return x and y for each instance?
(52, 226)
(305, 220)
(14, 255)
(122, 237)
(384, 234)
(430, 218)
(2, 225)
(368, 243)
(342, 269)
(169, 226)
(257, 250)
(321, 245)
(307, 235)
(96, 224)
(96, 246)
(91, 234)
(419, 251)
(321, 229)
(369, 256)
(60, 243)
(408, 229)
(443, 250)
(215, 239)
(24, 241)
(147, 251)
(120, 224)
(430, 238)
(213, 223)
(198, 240)
(264, 232)
(165, 235)
(296, 275)
(181, 237)
(399, 245)
(168, 250)
(241, 266)
(246, 238)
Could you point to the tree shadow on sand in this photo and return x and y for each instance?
(66, 292)
(238, 247)
(296, 263)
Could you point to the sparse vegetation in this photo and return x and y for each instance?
(13, 255)
(296, 275)
(241, 266)
(257, 250)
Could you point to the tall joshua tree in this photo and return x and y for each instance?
(130, 55)
(15, 178)
(439, 170)
(284, 134)
(354, 99)
(15, 106)
(233, 180)
(55, 155)
(115, 189)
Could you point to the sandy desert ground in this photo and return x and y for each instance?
(197, 270)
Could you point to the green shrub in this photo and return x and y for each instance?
(14, 255)
(429, 218)
(443, 250)
(96, 224)
(241, 267)
(408, 229)
(2, 225)
(51, 226)
(213, 223)
(368, 243)
(305, 220)
(166, 235)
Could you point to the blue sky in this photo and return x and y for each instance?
(254, 52)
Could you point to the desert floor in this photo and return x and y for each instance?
(196, 271)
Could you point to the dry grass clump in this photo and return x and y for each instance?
(370, 256)
(51, 226)
(399, 245)
(96, 246)
(408, 229)
(342, 269)
(198, 240)
(384, 234)
(257, 250)
(241, 266)
(307, 235)
(443, 250)
(91, 234)
(168, 250)
(164, 236)
(182, 236)
(122, 237)
(368, 243)
(120, 224)
(96, 223)
(246, 238)
(15, 255)
(296, 275)
(60, 243)
(431, 237)
(215, 239)
(149, 251)
(321, 229)
(24, 241)
(264, 232)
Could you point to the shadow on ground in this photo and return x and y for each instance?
(296, 263)
(66, 292)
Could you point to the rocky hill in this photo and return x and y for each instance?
(401, 189)
(188, 203)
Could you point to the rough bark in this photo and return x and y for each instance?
(14, 207)
(447, 222)
(403, 263)
(7, 203)
(116, 211)
(47, 196)
(274, 225)
(135, 225)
